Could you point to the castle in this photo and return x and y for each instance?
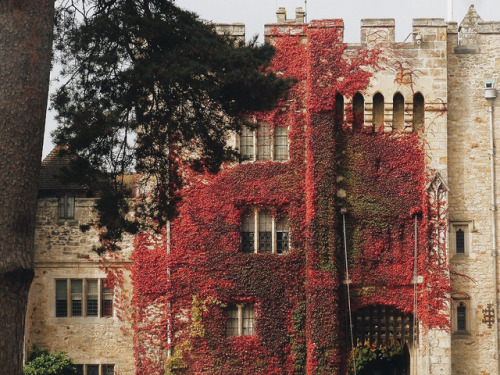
(361, 219)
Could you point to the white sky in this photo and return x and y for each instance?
(255, 13)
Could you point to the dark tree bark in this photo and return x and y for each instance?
(25, 50)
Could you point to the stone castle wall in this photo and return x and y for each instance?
(63, 251)
(447, 66)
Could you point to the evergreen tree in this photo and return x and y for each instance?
(150, 85)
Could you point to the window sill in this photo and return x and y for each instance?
(461, 335)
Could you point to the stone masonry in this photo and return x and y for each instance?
(447, 64)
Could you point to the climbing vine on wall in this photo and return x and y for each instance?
(297, 297)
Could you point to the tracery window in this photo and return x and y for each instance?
(262, 233)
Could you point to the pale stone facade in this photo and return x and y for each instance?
(443, 62)
(64, 252)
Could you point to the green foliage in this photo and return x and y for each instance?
(42, 362)
(148, 84)
(364, 353)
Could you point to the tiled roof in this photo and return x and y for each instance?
(51, 173)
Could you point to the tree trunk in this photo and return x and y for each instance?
(25, 50)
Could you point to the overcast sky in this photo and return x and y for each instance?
(255, 13)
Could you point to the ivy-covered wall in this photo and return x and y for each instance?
(182, 294)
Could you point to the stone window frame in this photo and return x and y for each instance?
(245, 326)
(255, 232)
(105, 298)
(102, 369)
(459, 300)
(467, 228)
(66, 204)
(263, 136)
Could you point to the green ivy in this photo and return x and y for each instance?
(364, 353)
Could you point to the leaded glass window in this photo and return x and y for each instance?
(265, 232)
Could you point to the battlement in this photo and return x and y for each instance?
(427, 33)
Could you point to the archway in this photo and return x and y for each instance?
(382, 335)
(397, 365)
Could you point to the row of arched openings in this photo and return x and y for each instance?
(378, 112)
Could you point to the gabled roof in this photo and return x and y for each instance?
(51, 174)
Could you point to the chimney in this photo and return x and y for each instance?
(299, 15)
(281, 14)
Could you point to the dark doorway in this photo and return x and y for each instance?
(398, 365)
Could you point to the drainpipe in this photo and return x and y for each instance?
(490, 94)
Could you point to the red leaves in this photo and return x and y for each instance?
(383, 180)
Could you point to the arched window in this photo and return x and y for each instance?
(461, 317)
(460, 241)
(358, 111)
(398, 112)
(378, 111)
(418, 112)
(339, 111)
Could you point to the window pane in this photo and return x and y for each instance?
(280, 143)
(282, 238)
(460, 241)
(107, 301)
(108, 369)
(263, 143)
(232, 321)
(61, 298)
(70, 206)
(92, 369)
(247, 232)
(76, 297)
(92, 297)
(62, 208)
(265, 232)
(246, 143)
(79, 369)
(248, 320)
(461, 318)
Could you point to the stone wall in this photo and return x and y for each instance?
(63, 251)
(474, 54)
